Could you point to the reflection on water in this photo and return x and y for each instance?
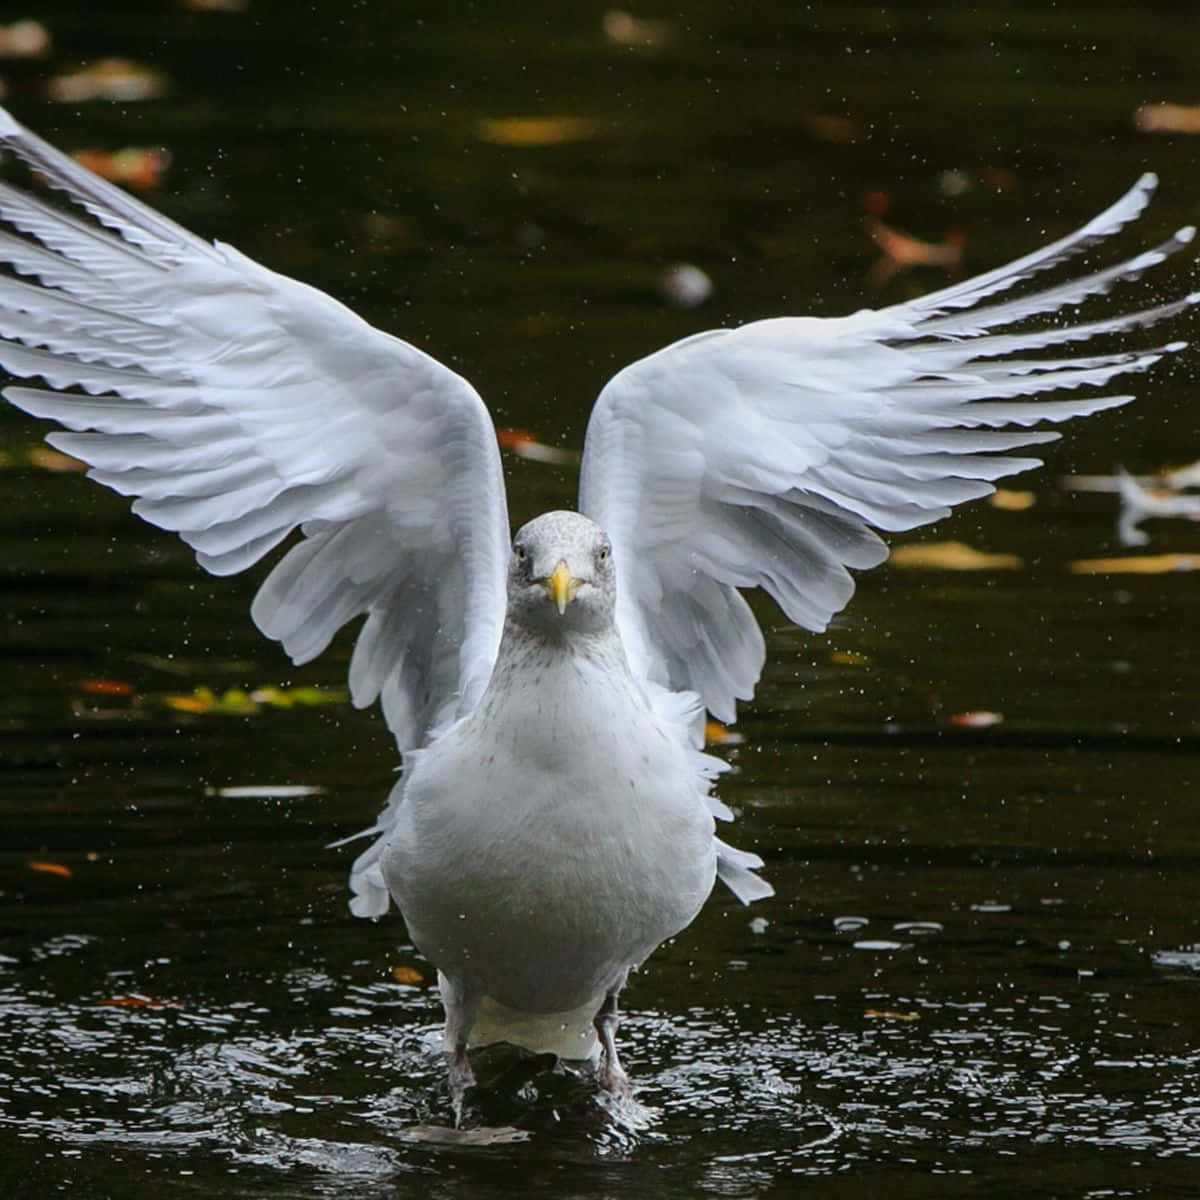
(976, 796)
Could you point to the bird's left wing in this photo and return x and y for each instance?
(767, 456)
(239, 405)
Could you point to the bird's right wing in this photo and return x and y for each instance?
(239, 406)
(768, 455)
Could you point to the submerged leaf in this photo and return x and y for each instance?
(534, 131)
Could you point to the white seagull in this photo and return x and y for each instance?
(554, 821)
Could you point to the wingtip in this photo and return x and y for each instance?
(9, 126)
(1184, 236)
(1147, 182)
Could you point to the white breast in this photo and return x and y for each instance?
(552, 839)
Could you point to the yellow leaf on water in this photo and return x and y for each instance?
(1010, 501)
(408, 975)
(236, 702)
(534, 131)
(716, 734)
(54, 460)
(201, 700)
(952, 556)
(1136, 564)
(886, 1014)
(847, 658)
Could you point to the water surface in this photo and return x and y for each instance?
(981, 972)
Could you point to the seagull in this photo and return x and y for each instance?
(554, 821)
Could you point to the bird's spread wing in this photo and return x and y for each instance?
(767, 456)
(239, 405)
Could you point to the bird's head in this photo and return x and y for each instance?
(560, 576)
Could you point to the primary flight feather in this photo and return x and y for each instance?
(554, 821)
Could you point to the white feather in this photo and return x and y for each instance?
(238, 405)
(763, 456)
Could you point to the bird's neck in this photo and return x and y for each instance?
(537, 666)
(556, 644)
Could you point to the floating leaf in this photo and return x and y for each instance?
(200, 701)
(829, 127)
(117, 79)
(523, 444)
(887, 1014)
(642, 33)
(847, 658)
(24, 39)
(237, 702)
(176, 665)
(409, 976)
(902, 251)
(685, 285)
(481, 1135)
(976, 720)
(1136, 564)
(50, 868)
(1167, 118)
(140, 167)
(534, 131)
(266, 791)
(137, 1000)
(105, 687)
(716, 734)
(1010, 501)
(1183, 477)
(952, 556)
(54, 460)
(306, 697)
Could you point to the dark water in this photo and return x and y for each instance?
(981, 974)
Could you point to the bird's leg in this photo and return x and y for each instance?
(462, 1006)
(460, 1078)
(612, 1076)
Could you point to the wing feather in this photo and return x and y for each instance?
(767, 456)
(238, 406)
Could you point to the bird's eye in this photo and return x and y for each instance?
(603, 553)
(521, 553)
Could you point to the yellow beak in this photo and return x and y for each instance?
(562, 586)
